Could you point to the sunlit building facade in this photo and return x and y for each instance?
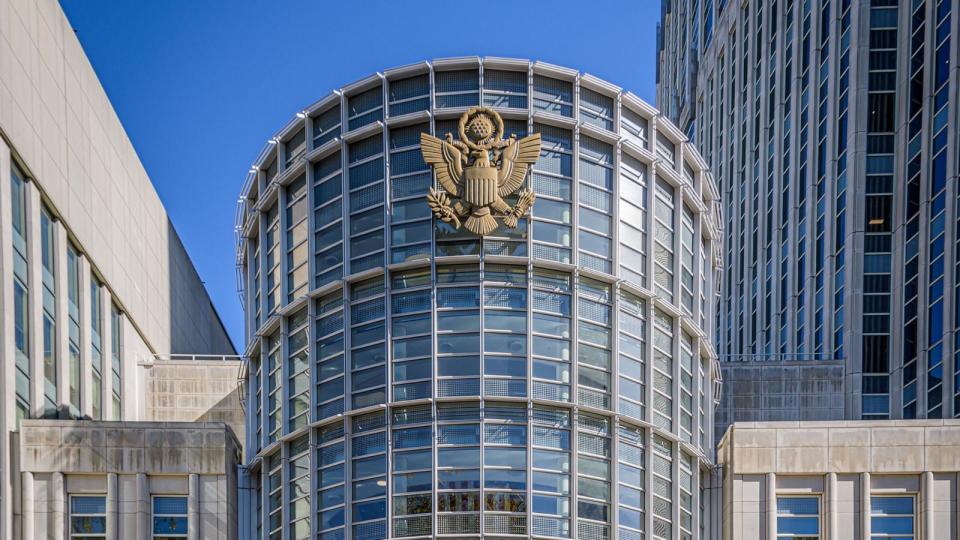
(95, 289)
(410, 380)
(831, 127)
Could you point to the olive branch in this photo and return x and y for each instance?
(439, 202)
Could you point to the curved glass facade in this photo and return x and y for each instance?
(410, 380)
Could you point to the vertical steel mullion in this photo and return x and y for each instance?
(347, 472)
(388, 474)
(575, 177)
(574, 397)
(284, 453)
(344, 190)
(283, 265)
(529, 183)
(483, 385)
(650, 213)
(483, 353)
(530, 394)
(615, 192)
(614, 406)
(312, 389)
(696, 480)
(648, 410)
(675, 410)
(346, 310)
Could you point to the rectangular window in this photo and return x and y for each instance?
(505, 89)
(88, 517)
(634, 124)
(274, 372)
(663, 233)
(48, 259)
(96, 348)
(892, 517)
(298, 364)
(553, 95)
(330, 480)
(21, 293)
(272, 253)
(274, 467)
(409, 95)
(298, 473)
(666, 149)
(73, 309)
(169, 517)
(365, 108)
(596, 108)
(410, 178)
(326, 126)
(295, 148)
(328, 219)
(457, 88)
(798, 517)
(296, 196)
(116, 357)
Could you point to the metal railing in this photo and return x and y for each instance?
(779, 357)
(196, 358)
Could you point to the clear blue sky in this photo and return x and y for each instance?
(200, 86)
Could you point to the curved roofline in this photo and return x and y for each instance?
(464, 61)
(581, 78)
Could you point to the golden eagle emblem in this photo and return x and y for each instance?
(480, 170)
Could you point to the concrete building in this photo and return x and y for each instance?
(781, 389)
(192, 388)
(831, 128)
(93, 278)
(410, 379)
(851, 479)
(114, 480)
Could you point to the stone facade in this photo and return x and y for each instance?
(846, 466)
(93, 275)
(192, 391)
(129, 463)
(779, 391)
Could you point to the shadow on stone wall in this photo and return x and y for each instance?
(194, 391)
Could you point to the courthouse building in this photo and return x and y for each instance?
(551, 377)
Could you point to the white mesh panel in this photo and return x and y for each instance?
(501, 524)
(548, 526)
(504, 387)
(591, 398)
(458, 387)
(553, 392)
(412, 526)
(592, 531)
(662, 529)
(458, 524)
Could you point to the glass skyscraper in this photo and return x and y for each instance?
(831, 127)
(407, 379)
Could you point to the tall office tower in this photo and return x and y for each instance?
(94, 283)
(409, 378)
(831, 127)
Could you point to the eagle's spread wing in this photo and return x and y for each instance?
(516, 159)
(446, 160)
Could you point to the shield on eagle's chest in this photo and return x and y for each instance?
(480, 185)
